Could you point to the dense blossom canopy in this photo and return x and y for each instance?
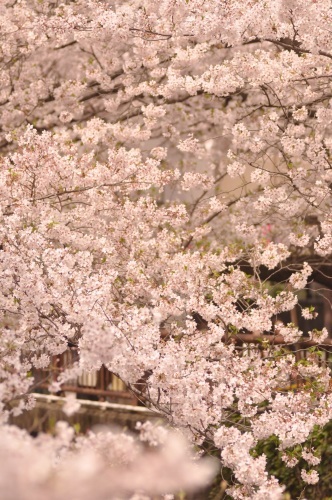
(162, 164)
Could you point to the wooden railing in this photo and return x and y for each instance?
(102, 385)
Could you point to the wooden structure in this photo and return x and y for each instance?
(104, 386)
(101, 385)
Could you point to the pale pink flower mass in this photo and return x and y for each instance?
(165, 206)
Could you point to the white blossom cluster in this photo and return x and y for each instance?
(162, 166)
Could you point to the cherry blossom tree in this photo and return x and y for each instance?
(162, 165)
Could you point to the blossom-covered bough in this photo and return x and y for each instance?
(163, 162)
